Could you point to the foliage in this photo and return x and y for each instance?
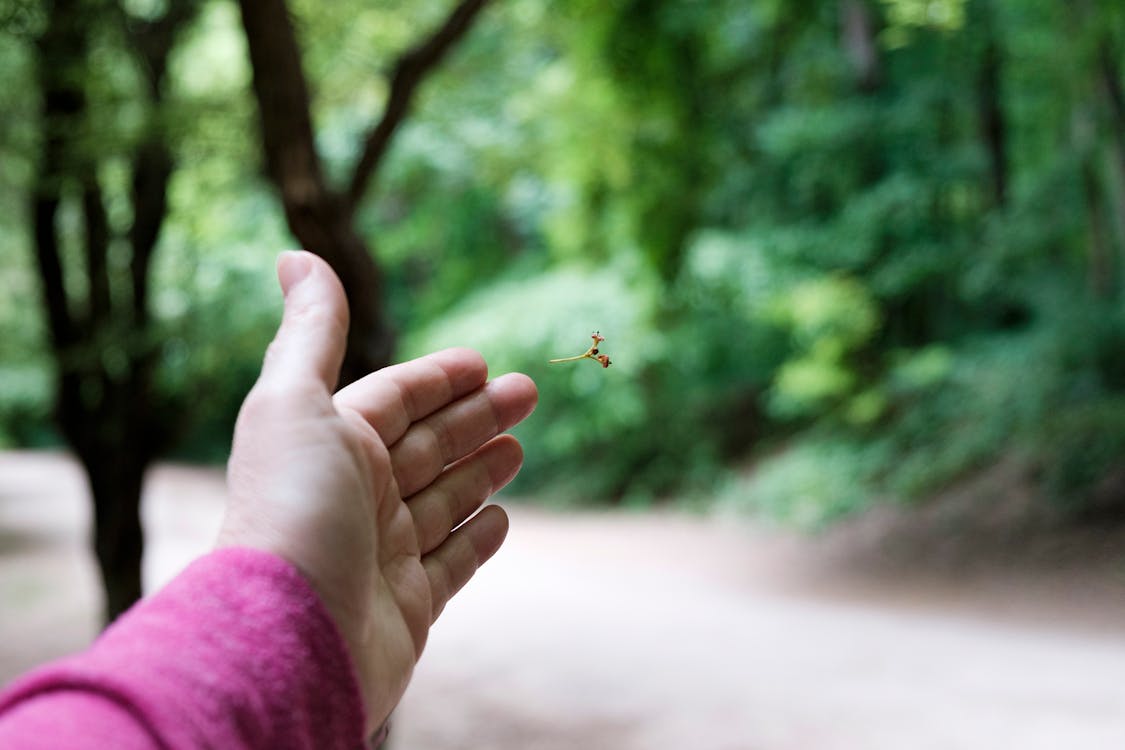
(862, 271)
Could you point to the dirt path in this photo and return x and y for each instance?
(656, 631)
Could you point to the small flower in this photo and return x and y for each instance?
(591, 353)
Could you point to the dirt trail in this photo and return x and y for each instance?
(654, 631)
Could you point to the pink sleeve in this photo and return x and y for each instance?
(236, 652)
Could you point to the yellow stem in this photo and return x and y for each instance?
(570, 359)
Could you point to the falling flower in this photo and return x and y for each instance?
(591, 353)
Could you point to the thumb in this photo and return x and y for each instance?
(314, 328)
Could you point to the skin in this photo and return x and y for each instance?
(370, 492)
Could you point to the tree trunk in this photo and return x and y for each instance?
(1100, 270)
(1114, 92)
(102, 345)
(1110, 73)
(104, 419)
(321, 218)
(323, 225)
(990, 112)
(116, 480)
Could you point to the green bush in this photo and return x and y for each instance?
(26, 400)
(809, 483)
(1079, 448)
(680, 397)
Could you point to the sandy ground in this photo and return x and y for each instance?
(631, 631)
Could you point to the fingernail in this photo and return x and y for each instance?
(292, 267)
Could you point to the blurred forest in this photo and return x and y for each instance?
(842, 251)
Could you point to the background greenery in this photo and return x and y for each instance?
(813, 291)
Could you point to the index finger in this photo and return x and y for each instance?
(392, 399)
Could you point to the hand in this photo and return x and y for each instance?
(362, 490)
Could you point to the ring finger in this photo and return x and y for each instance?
(461, 489)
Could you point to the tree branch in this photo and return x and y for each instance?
(152, 169)
(63, 329)
(316, 215)
(409, 72)
(283, 102)
(97, 246)
(60, 49)
(1115, 94)
(153, 40)
(990, 111)
(152, 161)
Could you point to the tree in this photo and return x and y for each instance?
(1099, 108)
(1114, 92)
(101, 332)
(320, 216)
(990, 110)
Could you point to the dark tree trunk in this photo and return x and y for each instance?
(323, 225)
(110, 422)
(1110, 73)
(1114, 91)
(990, 113)
(116, 484)
(322, 218)
(102, 345)
(1100, 269)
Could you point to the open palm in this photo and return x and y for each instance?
(367, 491)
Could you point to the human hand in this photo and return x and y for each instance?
(362, 490)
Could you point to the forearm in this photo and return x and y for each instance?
(236, 652)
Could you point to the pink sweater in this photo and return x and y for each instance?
(236, 652)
